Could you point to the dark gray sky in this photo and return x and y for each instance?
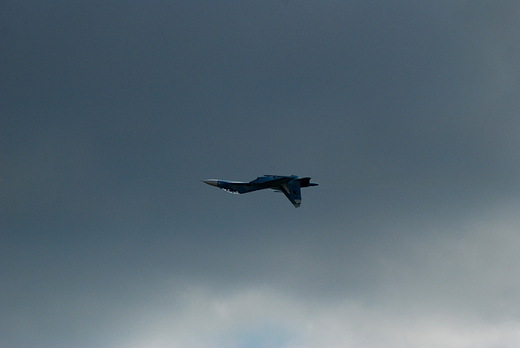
(405, 112)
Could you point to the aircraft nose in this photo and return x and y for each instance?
(212, 182)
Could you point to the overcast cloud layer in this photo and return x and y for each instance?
(405, 113)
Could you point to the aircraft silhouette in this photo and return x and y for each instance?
(289, 185)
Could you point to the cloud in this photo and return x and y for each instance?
(263, 317)
(455, 286)
(451, 289)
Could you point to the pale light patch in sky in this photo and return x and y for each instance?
(456, 294)
(260, 318)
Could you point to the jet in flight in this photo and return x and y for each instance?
(289, 185)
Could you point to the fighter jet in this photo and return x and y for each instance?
(289, 185)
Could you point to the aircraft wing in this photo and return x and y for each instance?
(269, 181)
(292, 191)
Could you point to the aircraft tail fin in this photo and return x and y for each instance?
(306, 182)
